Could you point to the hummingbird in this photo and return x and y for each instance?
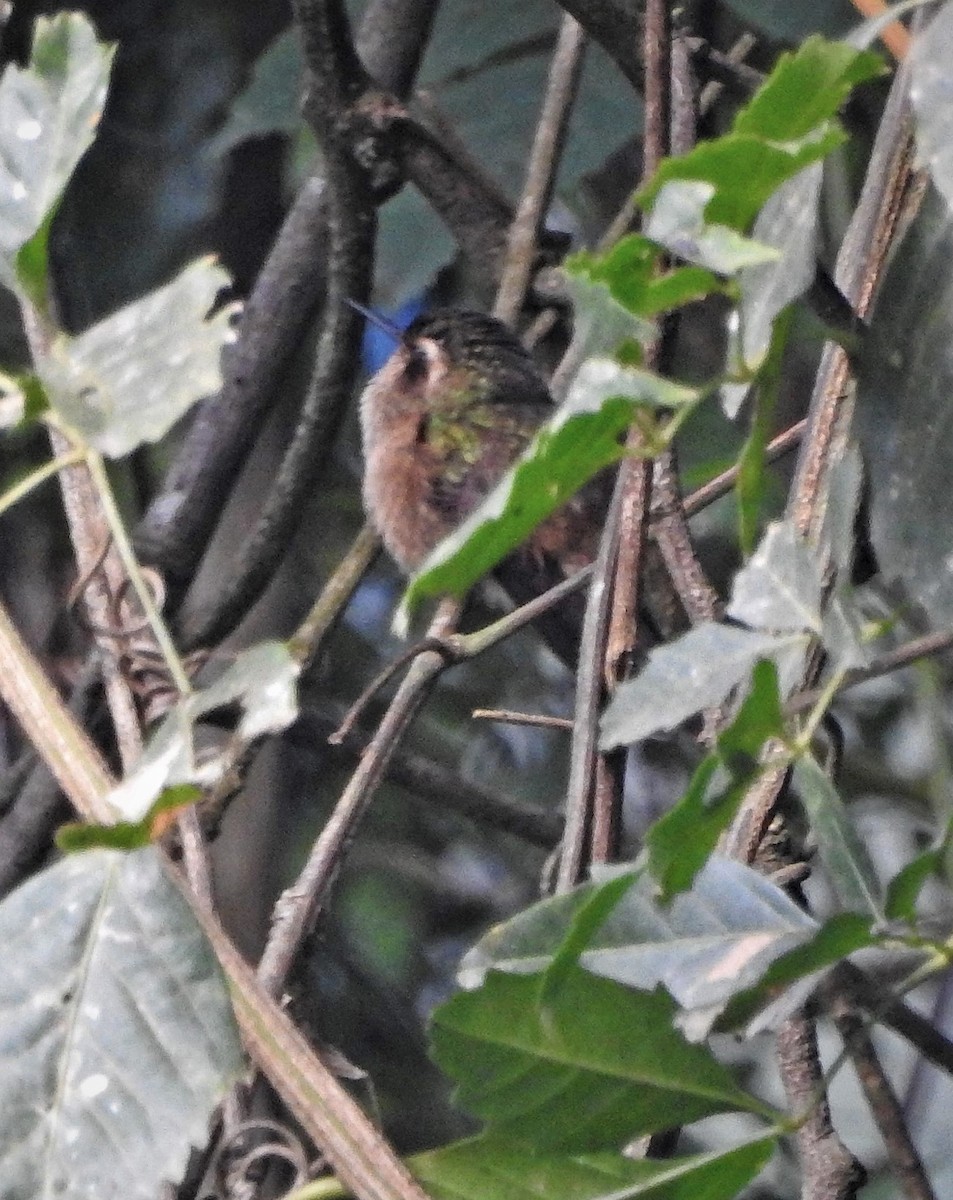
(443, 419)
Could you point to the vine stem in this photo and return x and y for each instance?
(97, 471)
(35, 478)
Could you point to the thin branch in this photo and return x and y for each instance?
(671, 532)
(860, 266)
(28, 825)
(561, 88)
(893, 660)
(884, 1105)
(195, 857)
(74, 761)
(509, 716)
(361, 1157)
(298, 907)
(590, 688)
(883, 1006)
(634, 483)
(89, 535)
(461, 647)
(830, 1171)
(722, 484)
(305, 643)
(439, 786)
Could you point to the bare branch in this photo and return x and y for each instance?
(830, 1171)
(298, 907)
(561, 87)
(884, 1105)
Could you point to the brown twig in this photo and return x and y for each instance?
(884, 1105)
(441, 787)
(509, 716)
(722, 484)
(304, 645)
(460, 647)
(561, 87)
(830, 1171)
(893, 660)
(195, 858)
(635, 481)
(306, 642)
(97, 560)
(590, 689)
(298, 907)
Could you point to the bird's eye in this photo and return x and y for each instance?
(416, 367)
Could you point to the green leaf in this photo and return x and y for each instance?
(128, 379)
(904, 889)
(788, 222)
(678, 222)
(680, 842)
(758, 719)
(750, 485)
(843, 853)
(780, 587)
(805, 89)
(743, 170)
(585, 924)
(709, 944)
(116, 1030)
(32, 261)
(696, 671)
(261, 682)
(125, 835)
(595, 1066)
(602, 320)
(493, 1168)
(631, 272)
(791, 979)
(581, 439)
(48, 116)
(788, 124)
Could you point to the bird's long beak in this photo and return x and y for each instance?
(377, 319)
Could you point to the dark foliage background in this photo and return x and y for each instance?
(201, 151)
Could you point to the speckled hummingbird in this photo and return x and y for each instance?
(449, 412)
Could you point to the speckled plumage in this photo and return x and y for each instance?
(442, 420)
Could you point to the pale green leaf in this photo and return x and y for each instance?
(49, 111)
(117, 1038)
(128, 379)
